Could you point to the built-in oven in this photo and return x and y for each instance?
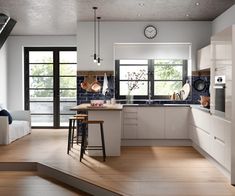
(220, 95)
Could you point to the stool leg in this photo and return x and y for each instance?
(102, 139)
(69, 135)
(78, 126)
(83, 142)
(73, 125)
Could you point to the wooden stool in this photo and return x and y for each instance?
(84, 147)
(72, 121)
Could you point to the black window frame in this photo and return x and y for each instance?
(151, 79)
(56, 83)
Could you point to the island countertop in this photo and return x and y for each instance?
(87, 106)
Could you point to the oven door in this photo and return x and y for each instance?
(220, 99)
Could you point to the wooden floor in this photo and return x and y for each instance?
(30, 184)
(138, 171)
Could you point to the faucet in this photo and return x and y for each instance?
(179, 95)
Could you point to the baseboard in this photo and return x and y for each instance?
(158, 142)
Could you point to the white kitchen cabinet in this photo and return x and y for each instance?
(201, 129)
(204, 58)
(227, 139)
(221, 144)
(151, 123)
(202, 138)
(201, 119)
(130, 122)
(176, 122)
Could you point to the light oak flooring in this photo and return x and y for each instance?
(30, 184)
(138, 171)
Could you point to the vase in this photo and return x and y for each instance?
(129, 98)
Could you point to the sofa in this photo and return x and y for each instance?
(21, 126)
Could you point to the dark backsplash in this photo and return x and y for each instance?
(85, 97)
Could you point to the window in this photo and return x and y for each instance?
(50, 85)
(169, 77)
(132, 78)
(149, 78)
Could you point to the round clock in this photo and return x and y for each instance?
(150, 31)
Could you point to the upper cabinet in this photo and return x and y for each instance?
(204, 58)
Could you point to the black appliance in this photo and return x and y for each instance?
(219, 94)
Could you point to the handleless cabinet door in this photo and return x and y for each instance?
(176, 122)
(151, 123)
(201, 119)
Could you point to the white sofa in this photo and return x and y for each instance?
(21, 126)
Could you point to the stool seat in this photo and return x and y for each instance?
(77, 118)
(81, 115)
(93, 121)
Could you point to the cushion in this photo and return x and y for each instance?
(6, 113)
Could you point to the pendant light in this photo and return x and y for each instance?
(98, 60)
(95, 56)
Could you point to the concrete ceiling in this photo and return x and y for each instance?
(59, 17)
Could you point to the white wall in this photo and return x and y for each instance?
(196, 33)
(16, 45)
(3, 75)
(223, 21)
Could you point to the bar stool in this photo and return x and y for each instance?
(84, 147)
(79, 124)
(72, 121)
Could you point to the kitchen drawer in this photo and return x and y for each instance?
(130, 109)
(130, 131)
(218, 128)
(132, 115)
(201, 119)
(130, 121)
(218, 152)
(202, 139)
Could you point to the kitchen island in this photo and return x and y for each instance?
(111, 114)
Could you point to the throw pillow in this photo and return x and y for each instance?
(6, 113)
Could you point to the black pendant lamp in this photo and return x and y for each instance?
(95, 56)
(98, 60)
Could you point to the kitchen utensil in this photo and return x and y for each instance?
(199, 85)
(96, 86)
(105, 85)
(184, 92)
(205, 101)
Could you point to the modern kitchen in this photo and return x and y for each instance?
(141, 100)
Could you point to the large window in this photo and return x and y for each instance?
(50, 85)
(149, 78)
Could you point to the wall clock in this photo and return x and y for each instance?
(150, 31)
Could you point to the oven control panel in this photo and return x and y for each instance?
(219, 79)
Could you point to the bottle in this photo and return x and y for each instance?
(173, 96)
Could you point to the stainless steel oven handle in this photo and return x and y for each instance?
(219, 87)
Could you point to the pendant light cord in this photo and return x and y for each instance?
(95, 8)
(98, 36)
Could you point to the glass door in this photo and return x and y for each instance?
(50, 85)
(68, 84)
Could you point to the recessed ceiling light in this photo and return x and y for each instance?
(141, 4)
(138, 15)
(187, 15)
(197, 4)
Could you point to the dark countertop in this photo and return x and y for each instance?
(156, 105)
